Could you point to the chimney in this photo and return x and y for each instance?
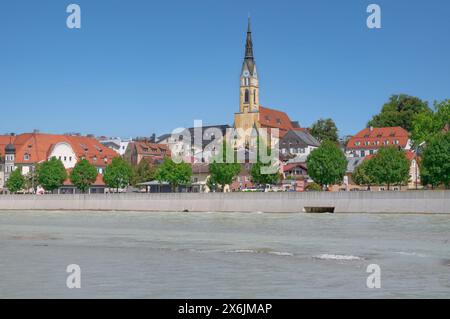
(371, 128)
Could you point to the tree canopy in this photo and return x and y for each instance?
(51, 174)
(325, 130)
(143, 172)
(399, 111)
(389, 167)
(363, 174)
(427, 125)
(174, 173)
(435, 166)
(223, 170)
(83, 175)
(260, 170)
(118, 174)
(327, 164)
(16, 181)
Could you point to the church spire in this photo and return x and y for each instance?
(249, 42)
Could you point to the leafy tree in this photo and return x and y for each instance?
(389, 167)
(83, 175)
(325, 130)
(363, 174)
(427, 125)
(262, 179)
(435, 166)
(313, 187)
(257, 172)
(51, 174)
(399, 111)
(327, 164)
(174, 173)
(143, 172)
(16, 181)
(223, 170)
(118, 174)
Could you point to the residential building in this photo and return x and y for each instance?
(139, 150)
(199, 179)
(297, 143)
(116, 143)
(26, 150)
(371, 139)
(196, 144)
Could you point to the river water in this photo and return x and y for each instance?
(223, 255)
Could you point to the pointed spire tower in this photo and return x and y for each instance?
(249, 98)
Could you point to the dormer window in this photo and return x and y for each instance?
(278, 121)
(94, 159)
(26, 157)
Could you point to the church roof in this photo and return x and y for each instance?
(271, 118)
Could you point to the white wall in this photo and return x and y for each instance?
(65, 153)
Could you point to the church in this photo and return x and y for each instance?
(252, 116)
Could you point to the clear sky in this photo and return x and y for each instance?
(137, 67)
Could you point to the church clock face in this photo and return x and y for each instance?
(246, 73)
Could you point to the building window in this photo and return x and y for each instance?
(26, 157)
(246, 98)
(254, 96)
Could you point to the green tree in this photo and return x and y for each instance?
(363, 174)
(325, 130)
(223, 169)
(427, 125)
(435, 166)
(327, 164)
(259, 178)
(51, 174)
(16, 181)
(174, 173)
(259, 171)
(118, 174)
(313, 187)
(389, 167)
(83, 175)
(143, 172)
(399, 111)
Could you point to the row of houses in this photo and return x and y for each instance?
(26, 150)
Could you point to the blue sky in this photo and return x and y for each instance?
(138, 67)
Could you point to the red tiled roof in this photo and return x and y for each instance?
(270, 118)
(39, 146)
(376, 138)
(151, 149)
(288, 167)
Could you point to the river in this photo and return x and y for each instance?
(223, 255)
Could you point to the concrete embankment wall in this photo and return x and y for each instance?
(437, 202)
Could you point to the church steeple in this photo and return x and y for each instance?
(249, 101)
(249, 42)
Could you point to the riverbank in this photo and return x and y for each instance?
(410, 202)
